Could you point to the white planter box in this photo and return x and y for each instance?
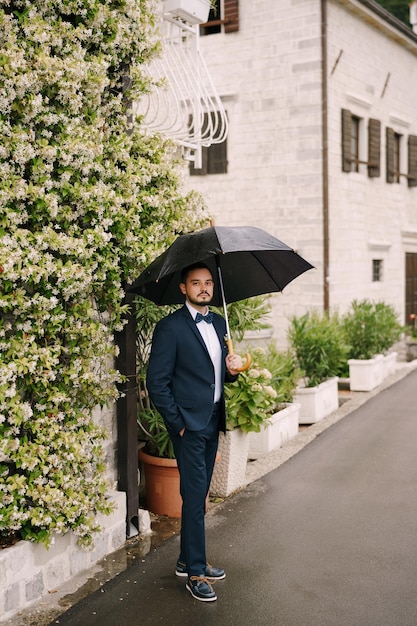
(230, 468)
(192, 11)
(366, 374)
(317, 402)
(389, 362)
(282, 426)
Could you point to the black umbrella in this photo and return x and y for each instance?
(248, 261)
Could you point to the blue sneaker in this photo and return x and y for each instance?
(200, 589)
(211, 573)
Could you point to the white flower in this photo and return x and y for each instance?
(270, 391)
(266, 374)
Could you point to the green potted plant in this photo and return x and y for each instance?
(249, 403)
(282, 421)
(370, 329)
(320, 350)
(250, 400)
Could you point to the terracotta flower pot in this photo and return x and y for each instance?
(162, 481)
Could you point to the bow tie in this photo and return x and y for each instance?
(207, 318)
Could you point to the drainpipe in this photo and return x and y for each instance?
(325, 155)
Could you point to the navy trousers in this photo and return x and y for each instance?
(195, 452)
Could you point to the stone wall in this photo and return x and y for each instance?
(29, 571)
(375, 77)
(269, 75)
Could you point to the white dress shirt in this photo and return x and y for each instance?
(211, 339)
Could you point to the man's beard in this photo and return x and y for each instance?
(198, 302)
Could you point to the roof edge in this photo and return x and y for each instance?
(390, 18)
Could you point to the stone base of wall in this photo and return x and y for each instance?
(28, 571)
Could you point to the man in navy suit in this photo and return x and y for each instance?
(188, 367)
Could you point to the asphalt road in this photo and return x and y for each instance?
(327, 539)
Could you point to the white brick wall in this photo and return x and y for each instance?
(369, 215)
(269, 73)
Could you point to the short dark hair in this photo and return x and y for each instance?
(195, 266)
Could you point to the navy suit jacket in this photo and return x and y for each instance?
(180, 377)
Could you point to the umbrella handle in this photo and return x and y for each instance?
(229, 344)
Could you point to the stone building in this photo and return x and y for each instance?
(322, 146)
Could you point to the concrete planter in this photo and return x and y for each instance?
(366, 374)
(230, 469)
(282, 426)
(192, 11)
(317, 402)
(390, 360)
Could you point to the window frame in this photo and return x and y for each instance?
(224, 19)
(377, 270)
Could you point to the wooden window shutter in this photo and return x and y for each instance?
(412, 161)
(346, 138)
(231, 16)
(390, 156)
(374, 148)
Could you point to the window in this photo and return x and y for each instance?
(377, 266)
(214, 159)
(224, 17)
(353, 144)
(214, 21)
(351, 127)
(395, 150)
(393, 153)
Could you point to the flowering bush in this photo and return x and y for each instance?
(250, 400)
(85, 202)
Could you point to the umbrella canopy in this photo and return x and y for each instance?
(251, 262)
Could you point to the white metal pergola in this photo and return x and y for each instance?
(184, 104)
